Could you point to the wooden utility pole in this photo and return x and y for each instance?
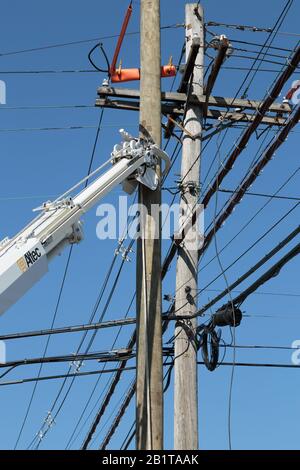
(149, 390)
(185, 378)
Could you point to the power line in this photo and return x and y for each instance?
(60, 290)
(251, 177)
(238, 148)
(257, 213)
(103, 356)
(53, 72)
(119, 416)
(267, 44)
(259, 346)
(109, 371)
(63, 128)
(108, 396)
(95, 386)
(269, 274)
(274, 225)
(240, 27)
(45, 349)
(68, 329)
(206, 288)
(41, 72)
(266, 54)
(110, 393)
(249, 193)
(254, 268)
(252, 364)
(253, 126)
(91, 319)
(221, 174)
(277, 294)
(60, 106)
(249, 28)
(242, 68)
(261, 45)
(89, 344)
(83, 41)
(267, 61)
(132, 340)
(124, 406)
(61, 376)
(272, 272)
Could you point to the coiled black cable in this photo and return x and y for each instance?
(208, 339)
(100, 45)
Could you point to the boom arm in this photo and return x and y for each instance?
(24, 259)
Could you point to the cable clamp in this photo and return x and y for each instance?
(190, 186)
(169, 298)
(66, 203)
(123, 251)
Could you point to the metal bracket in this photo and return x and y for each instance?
(48, 206)
(134, 148)
(189, 186)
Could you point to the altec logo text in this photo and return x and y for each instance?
(28, 259)
(32, 256)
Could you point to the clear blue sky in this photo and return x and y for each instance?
(37, 165)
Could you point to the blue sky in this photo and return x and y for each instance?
(38, 165)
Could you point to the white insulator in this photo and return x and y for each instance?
(125, 135)
(133, 144)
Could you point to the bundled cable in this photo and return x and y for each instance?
(208, 338)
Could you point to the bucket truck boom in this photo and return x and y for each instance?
(24, 258)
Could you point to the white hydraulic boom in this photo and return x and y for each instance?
(24, 258)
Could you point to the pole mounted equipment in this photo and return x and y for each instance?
(118, 74)
(24, 259)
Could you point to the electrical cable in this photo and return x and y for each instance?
(251, 177)
(61, 289)
(132, 431)
(243, 141)
(258, 212)
(131, 341)
(247, 193)
(70, 441)
(86, 349)
(83, 41)
(251, 270)
(216, 337)
(60, 376)
(100, 45)
(68, 329)
(45, 350)
(249, 222)
(109, 371)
